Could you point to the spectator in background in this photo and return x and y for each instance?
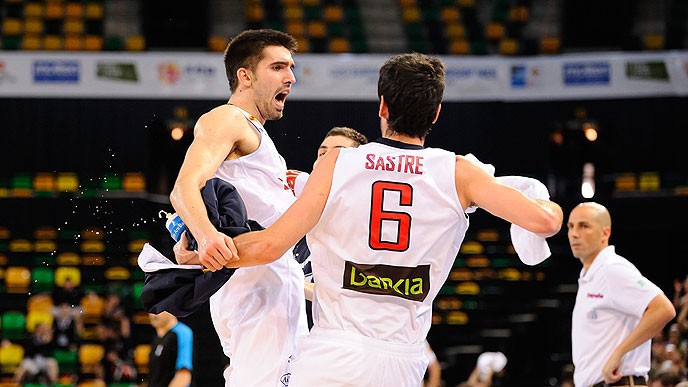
(488, 366)
(115, 316)
(433, 376)
(38, 362)
(170, 362)
(68, 293)
(67, 326)
(680, 292)
(617, 310)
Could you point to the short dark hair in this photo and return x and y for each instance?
(413, 86)
(349, 133)
(246, 50)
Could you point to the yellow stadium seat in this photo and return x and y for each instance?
(649, 181)
(135, 43)
(295, 28)
(333, 14)
(459, 47)
(456, 317)
(317, 29)
(339, 45)
(653, 41)
(39, 302)
(472, 247)
(217, 43)
(45, 246)
(90, 356)
(550, 45)
(74, 10)
(45, 232)
(141, 357)
(518, 13)
(92, 246)
(93, 43)
(450, 14)
(12, 26)
(495, 30)
(54, 10)
(31, 42)
(626, 182)
(93, 260)
(68, 258)
(67, 182)
(94, 11)
(477, 261)
(136, 245)
(20, 246)
(33, 26)
(467, 288)
(35, 317)
(487, 235)
(73, 26)
(93, 307)
(407, 3)
(508, 46)
(33, 9)
(411, 14)
(17, 279)
(117, 273)
(455, 31)
(254, 12)
(10, 357)
(64, 272)
(92, 383)
(53, 42)
(74, 43)
(134, 181)
(467, 3)
(293, 12)
(5, 233)
(304, 44)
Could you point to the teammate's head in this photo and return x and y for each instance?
(411, 86)
(340, 137)
(246, 50)
(589, 229)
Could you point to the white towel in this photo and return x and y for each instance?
(151, 260)
(531, 248)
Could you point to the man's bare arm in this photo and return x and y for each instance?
(215, 136)
(260, 247)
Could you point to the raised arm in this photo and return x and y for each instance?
(260, 247)
(216, 135)
(477, 187)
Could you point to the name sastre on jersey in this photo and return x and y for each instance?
(395, 163)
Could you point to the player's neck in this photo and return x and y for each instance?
(246, 104)
(404, 138)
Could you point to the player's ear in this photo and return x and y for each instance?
(438, 113)
(244, 76)
(384, 112)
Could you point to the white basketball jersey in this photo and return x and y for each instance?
(386, 240)
(260, 312)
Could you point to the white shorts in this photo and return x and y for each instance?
(259, 314)
(338, 358)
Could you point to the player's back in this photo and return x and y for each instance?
(386, 240)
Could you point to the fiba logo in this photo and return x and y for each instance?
(285, 379)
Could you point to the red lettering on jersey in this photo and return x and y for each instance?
(419, 165)
(370, 161)
(380, 164)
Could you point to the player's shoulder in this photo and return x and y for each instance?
(222, 118)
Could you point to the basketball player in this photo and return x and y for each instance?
(385, 222)
(260, 311)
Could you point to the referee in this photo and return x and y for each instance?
(171, 352)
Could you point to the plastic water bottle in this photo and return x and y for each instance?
(174, 225)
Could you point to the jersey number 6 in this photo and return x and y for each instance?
(378, 215)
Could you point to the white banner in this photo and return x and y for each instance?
(201, 76)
